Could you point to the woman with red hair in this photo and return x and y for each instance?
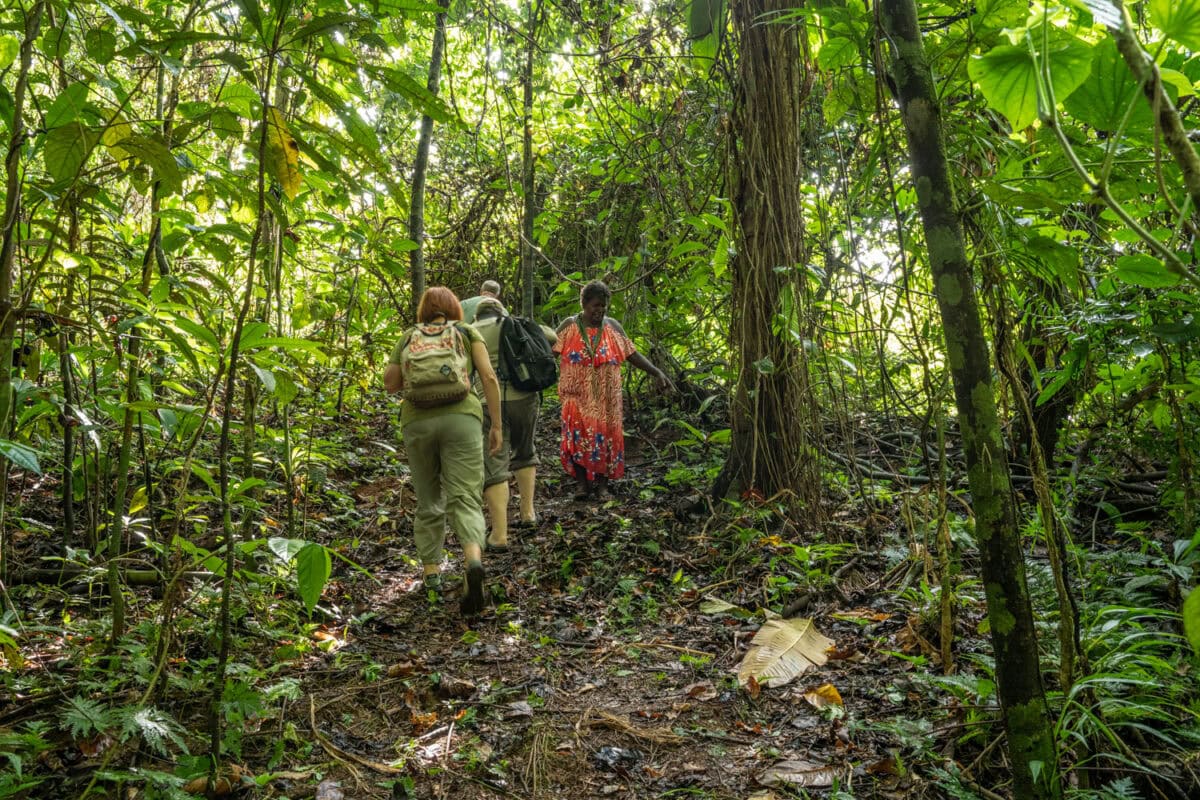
(442, 437)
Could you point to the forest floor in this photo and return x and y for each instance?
(596, 671)
(605, 663)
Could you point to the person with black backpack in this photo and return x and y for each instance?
(440, 420)
(520, 351)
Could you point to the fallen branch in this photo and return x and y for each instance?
(602, 719)
(343, 756)
(65, 575)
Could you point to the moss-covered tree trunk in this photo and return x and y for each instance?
(775, 427)
(12, 209)
(1018, 675)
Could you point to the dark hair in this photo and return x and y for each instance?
(594, 290)
(438, 301)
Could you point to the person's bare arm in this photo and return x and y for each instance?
(491, 391)
(393, 380)
(647, 366)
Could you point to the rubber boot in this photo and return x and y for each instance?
(496, 498)
(526, 478)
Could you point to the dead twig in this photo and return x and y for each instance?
(602, 719)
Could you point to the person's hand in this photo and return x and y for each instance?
(495, 439)
(663, 382)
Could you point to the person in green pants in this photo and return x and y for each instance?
(445, 452)
(518, 455)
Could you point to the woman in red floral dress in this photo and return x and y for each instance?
(592, 348)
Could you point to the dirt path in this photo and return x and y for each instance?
(594, 671)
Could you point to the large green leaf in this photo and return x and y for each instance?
(253, 14)
(242, 100)
(285, 549)
(1145, 270)
(19, 454)
(1191, 619)
(313, 567)
(65, 150)
(401, 6)
(100, 44)
(67, 105)
(153, 152)
(10, 47)
(326, 23)
(1178, 20)
(838, 52)
(362, 134)
(705, 17)
(196, 331)
(1008, 75)
(416, 93)
(225, 124)
(1106, 97)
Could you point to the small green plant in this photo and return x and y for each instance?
(18, 750)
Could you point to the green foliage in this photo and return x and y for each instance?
(84, 717)
(1011, 76)
(1178, 20)
(1191, 619)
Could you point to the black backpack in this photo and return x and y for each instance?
(526, 360)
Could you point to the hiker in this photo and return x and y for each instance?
(592, 348)
(518, 454)
(441, 435)
(470, 306)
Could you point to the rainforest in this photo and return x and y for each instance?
(897, 495)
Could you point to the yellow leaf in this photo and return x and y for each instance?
(117, 131)
(824, 695)
(282, 156)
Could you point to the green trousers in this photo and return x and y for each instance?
(445, 459)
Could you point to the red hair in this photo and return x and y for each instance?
(438, 301)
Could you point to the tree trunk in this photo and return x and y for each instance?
(12, 210)
(1018, 676)
(776, 436)
(529, 205)
(416, 214)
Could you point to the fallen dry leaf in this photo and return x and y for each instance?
(850, 652)
(824, 695)
(887, 766)
(401, 670)
(423, 722)
(520, 708)
(94, 746)
(798, 772)
(781, 650)
(221, 786)
(704, 690)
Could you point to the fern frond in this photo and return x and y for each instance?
(155, 727)
(84, 716)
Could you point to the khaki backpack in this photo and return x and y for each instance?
(435, 363)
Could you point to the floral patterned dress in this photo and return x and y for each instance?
(589, 386)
